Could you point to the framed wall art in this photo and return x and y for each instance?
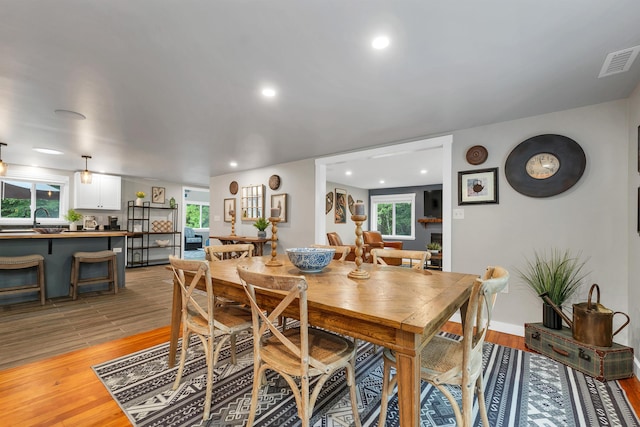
(478, 186)
(229, 209)
(341, 206)
(157, 194)
(280, 201)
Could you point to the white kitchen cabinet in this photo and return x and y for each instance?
(104, 192)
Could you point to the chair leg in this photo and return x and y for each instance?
(255, 394)
(114, 274)
(481, 403)
(384, 398)
(41, 281)
(183, 356)
(454, 404)
(353, 390)
(208, 353)
(232, 348)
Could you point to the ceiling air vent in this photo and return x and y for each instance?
(619, 62)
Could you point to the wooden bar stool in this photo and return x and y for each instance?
(20, 262)
(93, 257)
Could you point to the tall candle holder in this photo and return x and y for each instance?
(357, 273)
(273, 262)
(233, 222)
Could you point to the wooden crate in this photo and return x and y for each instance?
(602, 363)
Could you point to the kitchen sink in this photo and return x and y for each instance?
(49, 230)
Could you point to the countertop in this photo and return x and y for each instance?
(64, 235)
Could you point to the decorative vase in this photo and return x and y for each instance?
(172, 203)
(73, 226)
(262, 234)
(550, 318)
(139, 201)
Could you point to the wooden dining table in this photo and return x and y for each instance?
(398, 308)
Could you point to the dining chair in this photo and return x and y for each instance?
(341, 251)
(380, 256)
(446, 361)
(298, 353)
(205, 320)
(220, 252)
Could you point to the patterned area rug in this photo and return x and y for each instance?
(522, 389)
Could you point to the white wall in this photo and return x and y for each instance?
(347, 232)
(633, 294)
(592, 217)
(297, 180)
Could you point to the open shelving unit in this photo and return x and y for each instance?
(146, 225)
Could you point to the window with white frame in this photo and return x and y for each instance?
(197, 215)
(20, 197)
(393, 215)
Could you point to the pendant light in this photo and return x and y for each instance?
(85, 176)
(3, 165)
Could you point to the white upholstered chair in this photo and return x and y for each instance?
(213, 325)
(445, 361)
(298, 353)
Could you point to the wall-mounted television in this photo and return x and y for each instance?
(433, 203)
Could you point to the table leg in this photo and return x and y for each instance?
(408, 389)
(176, 318)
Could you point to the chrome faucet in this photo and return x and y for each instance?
(35, 223)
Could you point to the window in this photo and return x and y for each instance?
(393, 215)
(20, 197)
(197, 215)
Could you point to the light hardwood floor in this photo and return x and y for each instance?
(45, 360)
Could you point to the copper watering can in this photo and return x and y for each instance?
(592, 322)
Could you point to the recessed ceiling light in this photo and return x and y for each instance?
(68, 114)
(380, 42)
(382, 181)
(268, 92)
(233, 164)
(348, 173)
(424, 171)
(47, 151)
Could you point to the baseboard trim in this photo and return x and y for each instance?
(507, 328)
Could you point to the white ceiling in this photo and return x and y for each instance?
(171, 88)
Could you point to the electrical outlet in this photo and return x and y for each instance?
(458, 214)
(216, 218)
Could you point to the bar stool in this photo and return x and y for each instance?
(93, 257)
(20, 262)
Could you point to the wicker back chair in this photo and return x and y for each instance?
(213, 325)
(380, 256)
(298, 353)
(445, 361)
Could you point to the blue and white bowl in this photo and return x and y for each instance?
(310, 260)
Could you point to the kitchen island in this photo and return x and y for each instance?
(57, 250)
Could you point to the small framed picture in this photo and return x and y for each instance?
(157, 194)
(280, 201)
(340, 216)
(229, 209)
(478, 186)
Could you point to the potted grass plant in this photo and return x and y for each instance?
(261, 224)
(559, 274)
